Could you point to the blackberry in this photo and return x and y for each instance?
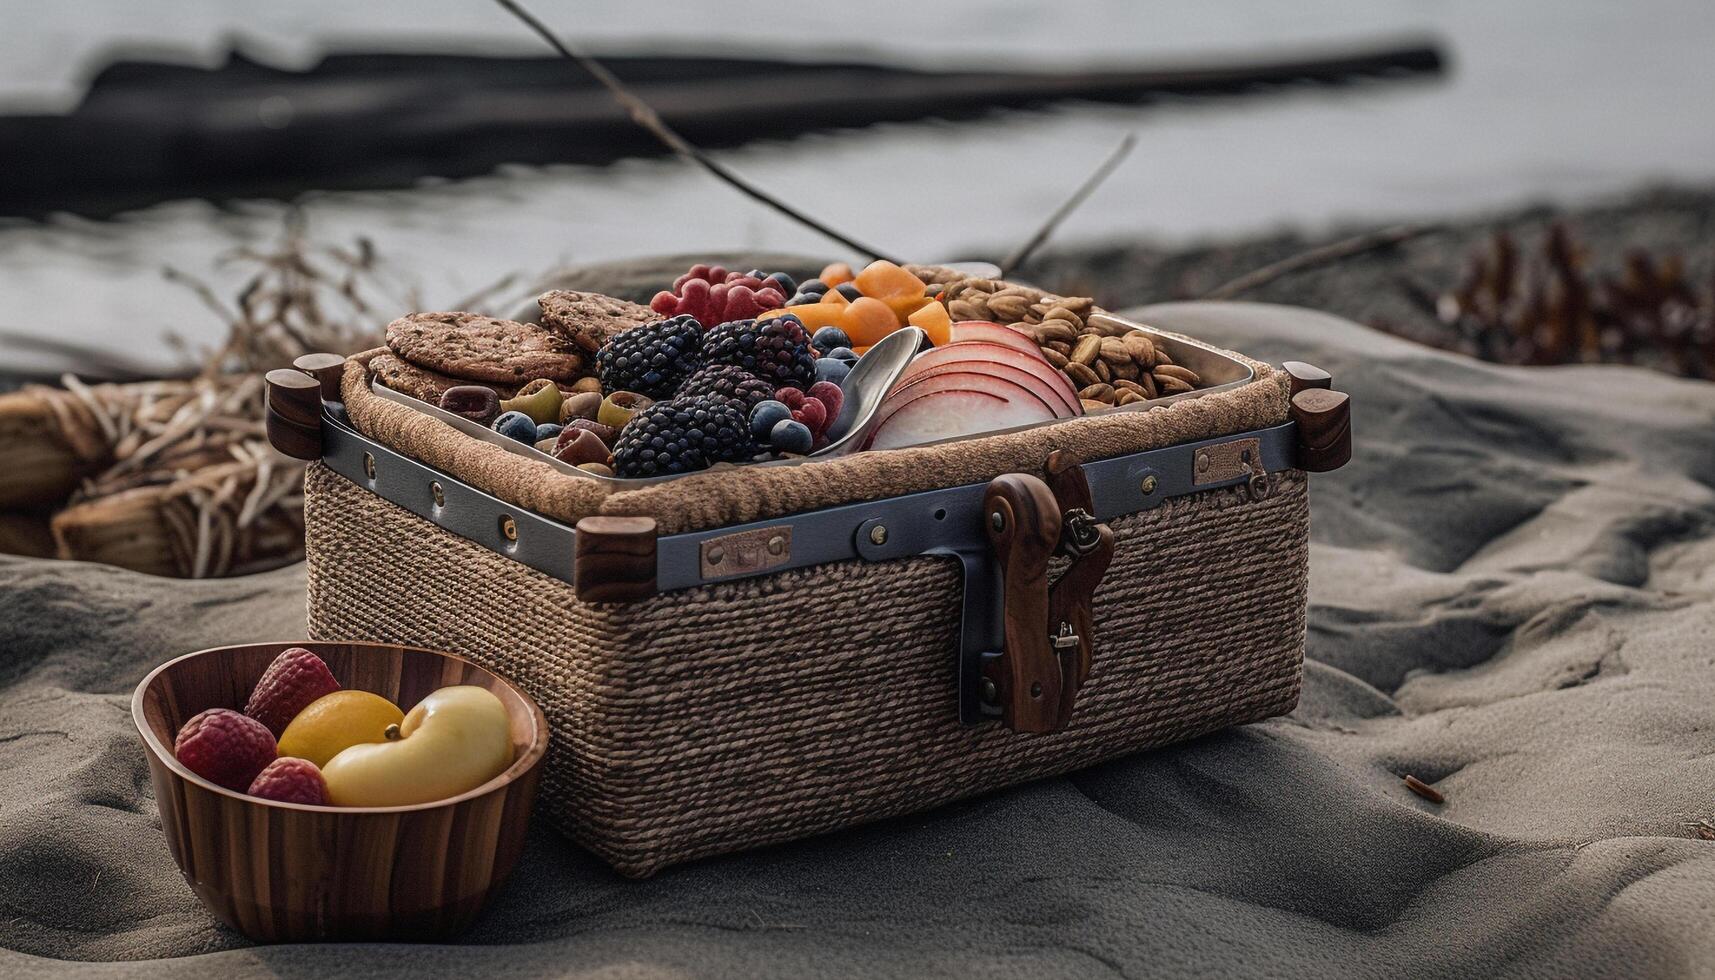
(777, 350)
(652, 359)
(681, 436)
(732, 383)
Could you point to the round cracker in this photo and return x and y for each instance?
(483, 348)
(588, 319)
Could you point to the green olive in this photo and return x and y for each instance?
(618, 408)
(540, 399)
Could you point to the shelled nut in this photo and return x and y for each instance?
(1081, 375)
(1174, 371)
(1107, 362)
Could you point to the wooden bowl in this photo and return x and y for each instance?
(281, 872)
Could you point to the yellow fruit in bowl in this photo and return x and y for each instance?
(454, 740)
(335, 722)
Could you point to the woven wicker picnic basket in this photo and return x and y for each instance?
(752, 655)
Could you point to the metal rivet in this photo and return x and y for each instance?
(1149, 484)
(1202, 461)
(509, 528)
(989, 691)
(878, 534)
(716, 554)
(776, 545)
(440, 494)
(997, 520)
(1036, 689)
(369, 465)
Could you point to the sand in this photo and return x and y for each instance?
(1513, 597)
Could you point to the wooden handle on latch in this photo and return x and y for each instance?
(1070, 598)
(294, 413)
(1023, 525)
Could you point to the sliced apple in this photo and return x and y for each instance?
(905, 393)
(952, 413)
(1050, 381)
(994, 333)
(986, 369)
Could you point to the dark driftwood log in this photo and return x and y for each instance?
(614, 560)
(151, 132)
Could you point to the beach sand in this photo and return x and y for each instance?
(1512, 597)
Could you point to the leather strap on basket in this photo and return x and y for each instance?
(1047, 628)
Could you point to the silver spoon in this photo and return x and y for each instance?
(875, 374)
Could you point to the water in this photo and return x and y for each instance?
(1544, 101)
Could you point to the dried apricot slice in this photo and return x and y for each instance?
(867, 320)
(814, 315)
(882, 279)
(835, 273)
(935, 321)
(904, 306)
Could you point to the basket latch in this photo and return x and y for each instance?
(1045, 658)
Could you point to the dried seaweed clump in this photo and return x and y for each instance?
(176, 477)
(1553, 308)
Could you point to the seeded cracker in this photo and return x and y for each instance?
(482, 348)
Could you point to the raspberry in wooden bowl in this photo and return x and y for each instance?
(282, 871)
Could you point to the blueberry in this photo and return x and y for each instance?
(791, 436)
(516, 425)
(813, 287)
(828, 338)
(784, 281)
(548, 430)
(850, 291)
(832, 369)
(802, 300)
(844, 354)
(765, 416)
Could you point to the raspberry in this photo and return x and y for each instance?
(291, 682)
(830, 395)
(291, 781)
(814, 415)
(224, 747)
(714, 295)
